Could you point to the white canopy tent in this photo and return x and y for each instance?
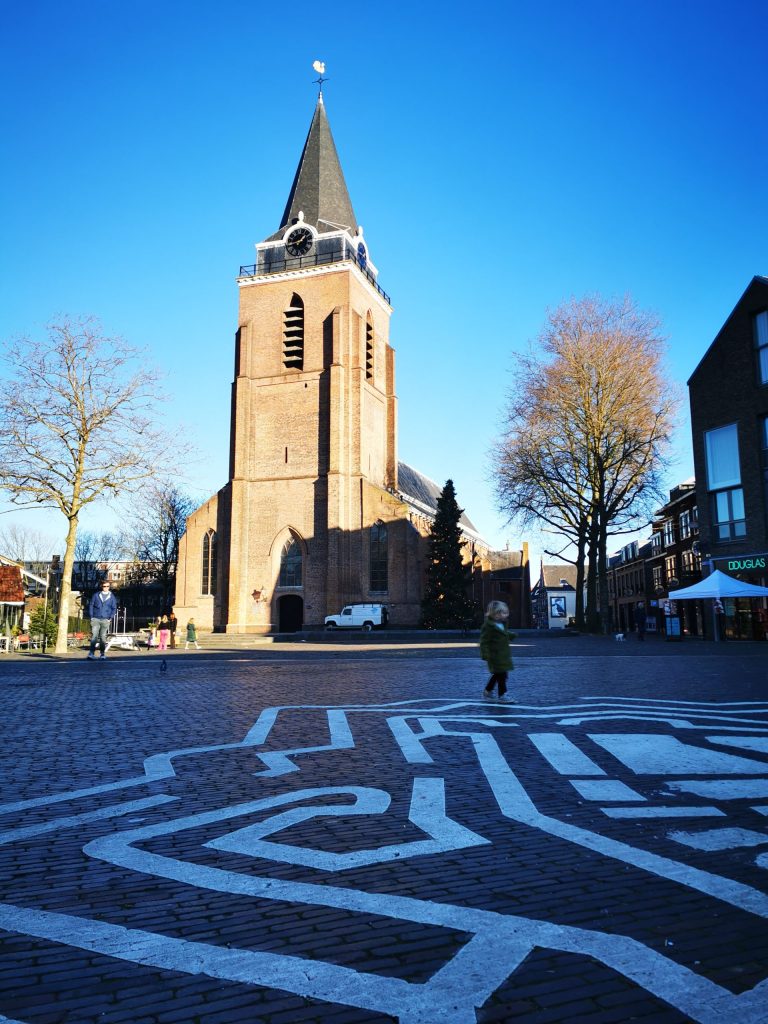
(718, 585)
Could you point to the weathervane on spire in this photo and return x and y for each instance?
(319, 67)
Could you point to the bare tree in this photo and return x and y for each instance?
(76, 425)
(588, 430)
(24, 544)
(92, 552)
(158, 526)
(540, 480)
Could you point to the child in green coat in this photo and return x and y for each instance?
(191, 635)
(495, 642)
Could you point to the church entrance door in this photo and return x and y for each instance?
(290, 611)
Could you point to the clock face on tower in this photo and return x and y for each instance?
(299, 242)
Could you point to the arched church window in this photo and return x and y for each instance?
(290, 564)
(378, 558)
(368, 348)
(208, 575)
(293, 334)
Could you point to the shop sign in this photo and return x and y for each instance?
(736, 564)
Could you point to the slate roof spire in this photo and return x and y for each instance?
(319, 189)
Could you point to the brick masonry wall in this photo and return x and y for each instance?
(724, 389)
(313, 458)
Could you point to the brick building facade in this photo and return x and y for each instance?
(675, 559)
(318, 511)
(729, 424)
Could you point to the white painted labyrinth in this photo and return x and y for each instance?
(685, 768)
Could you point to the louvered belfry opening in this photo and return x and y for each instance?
(368, 349)
(293, 335)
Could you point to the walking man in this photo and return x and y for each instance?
(103, 609)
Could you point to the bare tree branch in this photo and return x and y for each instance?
(587, 435)
(24, 544)
(78, 423)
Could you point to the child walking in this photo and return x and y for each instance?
(191, 635)
(495, 642)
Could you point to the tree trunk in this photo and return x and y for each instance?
(580, 548)
(66, 587)
(602, 577)
(593, 612)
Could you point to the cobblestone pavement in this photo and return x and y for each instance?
(299, 834)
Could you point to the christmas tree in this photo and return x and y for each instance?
(446, 604)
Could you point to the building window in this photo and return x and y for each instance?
(670, 566)
(208, 575)
(685, 525)
(728, 514)
(656, 544)
(290, 564)
(691, 561)
(761, 343)
(722, 450)
(723, 481)
(293, 335)
(379, 559)
(669, 533)
(368, 348)
(658, 577)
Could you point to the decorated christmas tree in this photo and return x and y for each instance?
(446, 604)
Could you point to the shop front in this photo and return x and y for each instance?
(743, 618)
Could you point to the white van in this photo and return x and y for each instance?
(358, 616)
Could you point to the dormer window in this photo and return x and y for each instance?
(293, 334)
(368, 348)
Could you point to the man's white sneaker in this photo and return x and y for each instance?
(507, 700)
(91, 657)
(102, 657)
(487, 696)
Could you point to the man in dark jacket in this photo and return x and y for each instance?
(103, 608)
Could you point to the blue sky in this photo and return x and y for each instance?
(500, 156)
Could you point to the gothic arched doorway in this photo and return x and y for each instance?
(290, 613)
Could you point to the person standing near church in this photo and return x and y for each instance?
(103, 608)
(641, 620)
(163, 634)
(495, 641)
(191, 635)
(173, 622)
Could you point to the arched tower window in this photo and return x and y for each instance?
(208, 575)
(293, 334)
(368, 348)
(290, 564)
(378, 558)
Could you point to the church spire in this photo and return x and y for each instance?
(319, 189)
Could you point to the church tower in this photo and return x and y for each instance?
(310, 518)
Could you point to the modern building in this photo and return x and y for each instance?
(318, 511)
(729, 422)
